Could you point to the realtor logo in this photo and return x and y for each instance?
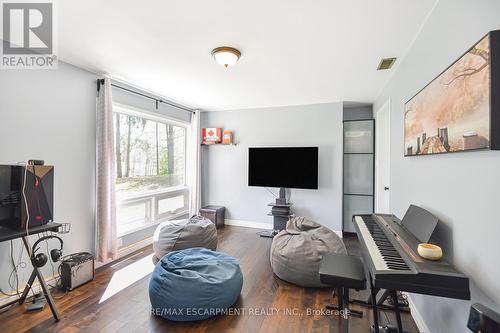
(28, 35)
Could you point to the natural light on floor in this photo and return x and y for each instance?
(127, 276)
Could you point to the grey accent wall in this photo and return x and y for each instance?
(50, 115)
(225, 168)
(462, 188)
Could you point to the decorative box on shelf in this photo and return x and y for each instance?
(217, 144)
(215, 136)
(211, 135)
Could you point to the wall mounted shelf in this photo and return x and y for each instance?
(219, 144)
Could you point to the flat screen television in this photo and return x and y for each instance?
(284, 167)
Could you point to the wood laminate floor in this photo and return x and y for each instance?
(117, 300)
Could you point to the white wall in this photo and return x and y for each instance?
(461, 189)
(225, 167)
(50, 115)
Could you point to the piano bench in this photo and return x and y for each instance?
(343, 272)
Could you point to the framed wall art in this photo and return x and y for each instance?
(460, 109)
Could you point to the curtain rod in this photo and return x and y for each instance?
(101, 81)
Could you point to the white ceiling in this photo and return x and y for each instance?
(293, 51)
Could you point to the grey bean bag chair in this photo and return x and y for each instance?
(296, 251)
(174, 235)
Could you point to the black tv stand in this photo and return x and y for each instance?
(281, 212)
(7, 234)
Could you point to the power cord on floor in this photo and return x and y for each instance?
(14, 273)
(7, 308)
(402, 298)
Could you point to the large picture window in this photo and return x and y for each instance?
(151, 170)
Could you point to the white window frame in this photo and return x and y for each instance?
(152, 198)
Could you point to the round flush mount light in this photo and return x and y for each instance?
(226, 56)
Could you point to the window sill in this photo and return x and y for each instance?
(142, 195)
(142, 226)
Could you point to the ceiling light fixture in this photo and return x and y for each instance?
(226, 56)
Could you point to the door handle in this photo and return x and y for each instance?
(386, 188)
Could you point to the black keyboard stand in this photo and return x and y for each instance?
(403, 308)
(343, 295)
(9, 234)
(376, 328)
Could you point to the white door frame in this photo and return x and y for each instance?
(380, 192)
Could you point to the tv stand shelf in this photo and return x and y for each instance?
(280, 215)
(280, 211)
(272, 204)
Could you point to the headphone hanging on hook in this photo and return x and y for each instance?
(39, 260)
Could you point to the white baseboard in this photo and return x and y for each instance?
(248, 224)
(36, 289)
(422, 327)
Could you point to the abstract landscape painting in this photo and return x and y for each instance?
(452, 113)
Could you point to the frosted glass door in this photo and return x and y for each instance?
(358, 173)
(358, 137)
(358, 170)
(355, 205)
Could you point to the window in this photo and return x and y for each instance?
(151, 170)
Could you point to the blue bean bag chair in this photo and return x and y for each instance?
(194, 284)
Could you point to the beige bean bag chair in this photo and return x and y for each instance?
(296, 251)
(174, 235)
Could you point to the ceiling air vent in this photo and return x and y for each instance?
(386, 63)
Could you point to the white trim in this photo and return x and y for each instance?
(417, 317)
(151, 224)
(147, 194)
(159, 117)
(140, 226)
(125, 251)
(248, 224)
(379, 192)
(258, 225)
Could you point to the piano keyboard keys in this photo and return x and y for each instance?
(382, 252)
(389, 251)
(375, 255)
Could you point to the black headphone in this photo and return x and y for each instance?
(40, 259)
